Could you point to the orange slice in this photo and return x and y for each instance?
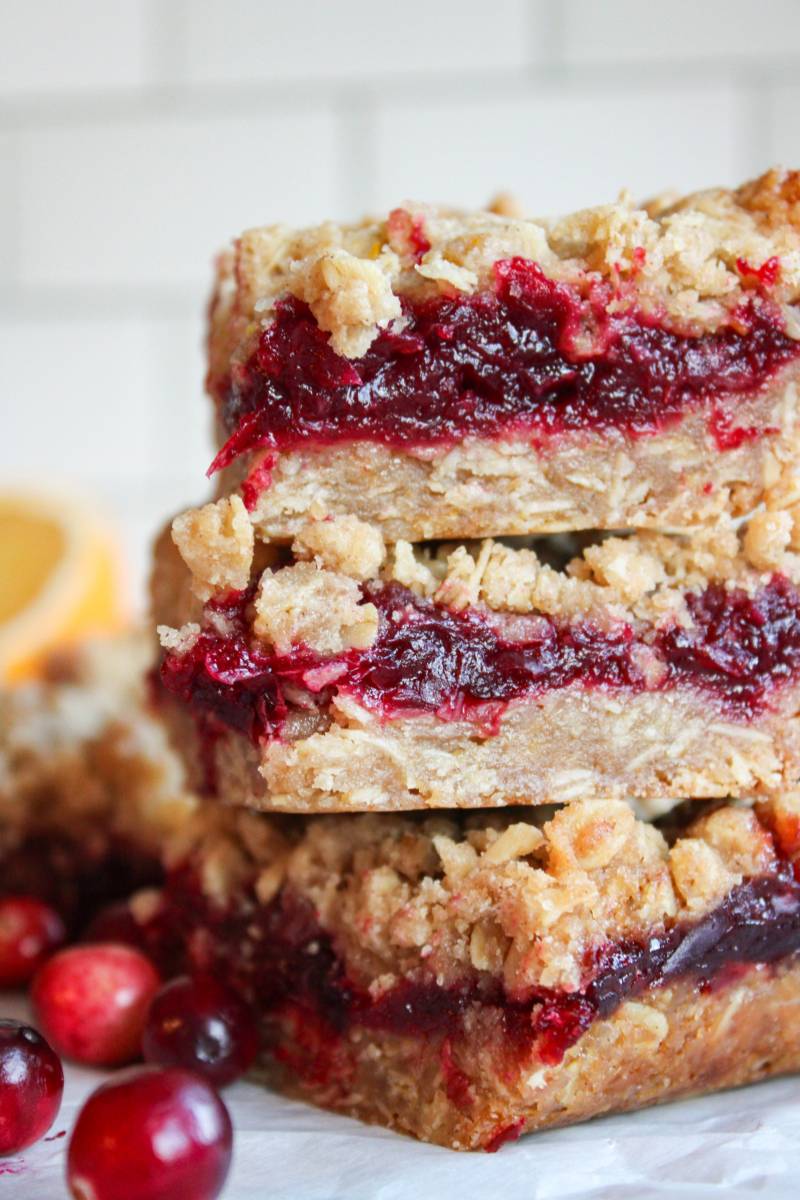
(59, 579)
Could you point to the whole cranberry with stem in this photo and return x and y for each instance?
(30, 930)
(150, 1134)
(91, 1002)
(198, 1022)
(31, 1086)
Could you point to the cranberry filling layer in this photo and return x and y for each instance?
(432, 660)
(287, 966)
(531, 358)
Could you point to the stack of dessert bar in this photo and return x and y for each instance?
(486, 658)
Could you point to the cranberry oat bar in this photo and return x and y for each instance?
(467, 375)
(468, 978)
(89, 788)
(351, 676)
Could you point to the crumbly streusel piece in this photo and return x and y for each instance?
(89, 788)
(467, 979)
(217, 542)
(476, 674)
(445, 374)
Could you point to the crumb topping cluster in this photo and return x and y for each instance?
(522, 898)
(316, 600)
(217, 543)
(693, 261)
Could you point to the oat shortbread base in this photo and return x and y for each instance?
(336, 753)
(466, 980)
(89, 787)
(709, 1043)
(567, 746)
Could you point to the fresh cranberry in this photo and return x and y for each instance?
(91, 1002)
(200, 1023)
(31, 1085)
(30, 930)
(150, 1134)
(115, 923)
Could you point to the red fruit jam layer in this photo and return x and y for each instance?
(287, 968)
(428, 659)
(532, 358)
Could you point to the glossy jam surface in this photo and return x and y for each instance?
(286, 965)
(739, 645)
(429, 659)
(758, 922)
(532, 358)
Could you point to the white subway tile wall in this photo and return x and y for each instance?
(558, 147)
(56, 46)
(136, 136)
(782, 136)
(146, 202)
(230, 41)
(630, 31)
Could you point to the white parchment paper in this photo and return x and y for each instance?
(741, 1144)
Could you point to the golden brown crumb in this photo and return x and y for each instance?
(506, 204)
(317, 608)
(743, 844)
(216, 543)
(410, 566)
(342, 544)
(522, 898)
(699, 874)
(350, 297)
(178, 641)
(774, 197)
(767, 538)
(625, 565)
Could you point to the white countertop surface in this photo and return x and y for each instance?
(741, 1144)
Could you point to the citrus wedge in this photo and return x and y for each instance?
(59, 579)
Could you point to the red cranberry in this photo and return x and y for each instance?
(92, 1001)
(115, 923)
(200, 1023)
(150, 1134)
(30, 930)
(31, 1084)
